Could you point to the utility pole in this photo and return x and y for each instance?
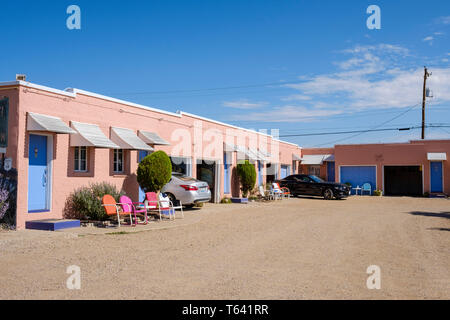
(425, 76)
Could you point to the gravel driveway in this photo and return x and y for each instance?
(294, 249)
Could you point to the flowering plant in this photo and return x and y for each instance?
(4, 204)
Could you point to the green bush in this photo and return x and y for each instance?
(85, 202)
(225, 200)
(377, 193)
(247, 176)
(154, 171)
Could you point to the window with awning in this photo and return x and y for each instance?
(45, 123)
(127, 139)
(152, 138)
(90, 135)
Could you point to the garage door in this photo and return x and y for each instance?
(358, 175)
(403, 180)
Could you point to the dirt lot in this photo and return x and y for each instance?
(294, 249)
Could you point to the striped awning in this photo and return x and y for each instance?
(152, 138)
(127, 139)
(90, 135)
(41, 122)
(228, 147)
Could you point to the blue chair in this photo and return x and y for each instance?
(366, 188)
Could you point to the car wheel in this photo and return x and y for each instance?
(328, 194)
(173, 199)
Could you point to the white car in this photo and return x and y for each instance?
(187, 190)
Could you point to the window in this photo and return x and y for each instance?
(314, 170)
(80, 158)
(118, 160)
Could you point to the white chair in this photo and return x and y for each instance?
(276, 192)
(165, 203)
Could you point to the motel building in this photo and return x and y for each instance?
(414, 168)
(60, 140)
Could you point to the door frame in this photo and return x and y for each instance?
(442, 173)
(404, 165)
(49, 188)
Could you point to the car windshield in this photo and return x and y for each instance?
(316, 179)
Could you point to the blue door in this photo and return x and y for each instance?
(226, 175)
(260, 175)
(142, 155)
(330, 172)
(436, 176)
(358, 175)
(284, 172)
(37, 174)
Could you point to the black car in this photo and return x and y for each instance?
(310, 185)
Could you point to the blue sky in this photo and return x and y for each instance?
(297, 66)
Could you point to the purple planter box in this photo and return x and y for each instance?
(52, 224)
(239, 200)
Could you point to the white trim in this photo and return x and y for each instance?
(72, 92)
(79, 160)
(404, 165)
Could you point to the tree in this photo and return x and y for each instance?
(154, 171)
(247, 176)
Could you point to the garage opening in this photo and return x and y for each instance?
(403, 180)
(206, 171)
(356, 176)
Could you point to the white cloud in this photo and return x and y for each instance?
(443, 20)
(428, 39)
(296, 97)
(375, 77)
(243, 104)
(290, 114)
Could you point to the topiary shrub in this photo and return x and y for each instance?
(154, 171)
(85, 202)
(247, 176)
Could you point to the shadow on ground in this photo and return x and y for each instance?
(440, 229)
(442, 214)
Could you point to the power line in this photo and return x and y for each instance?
(211, 89)
(345, 132)
(373, 128)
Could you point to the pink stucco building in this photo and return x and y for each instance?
(413, 168)
(59, 140)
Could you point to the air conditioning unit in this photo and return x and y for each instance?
(21, 77)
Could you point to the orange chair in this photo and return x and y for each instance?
(284, 191)
(112, 208)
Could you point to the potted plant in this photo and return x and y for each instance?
(247, 178)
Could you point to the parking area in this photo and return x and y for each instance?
(300, 248)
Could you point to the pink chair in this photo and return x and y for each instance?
(128, 206)
(153, 204)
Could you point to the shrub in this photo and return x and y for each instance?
(199, 204)
(225, 200)
(348, 184)
(154, 171)
(85, 202)
(377, 193)
(4, 204)
(247, 176)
